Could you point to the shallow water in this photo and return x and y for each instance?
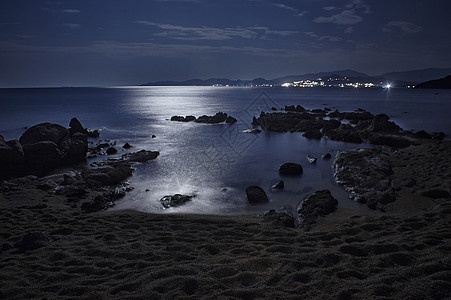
(216, 162)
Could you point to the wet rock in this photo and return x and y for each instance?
(381, 124)
(107, 176)
(344, 133)
(127, 146)
(366, 175)
(97, 204)
(326, 156)
(231, 120)
(279, 185)
(256, 195)
(141, 156)
(11, 153)
(311, 159)
(255, 131)
(436, 193)
(154, 136)
(34, 240)
(44, 132)
(76, 127)
(291, 169)
(278, 219)
(320, 203)
(313, 134)
(111, 151)
(175, 200)
(394, 141)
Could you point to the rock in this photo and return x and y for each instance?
(255, 131)
(273, 108)
(438, 135)
(231, 120)
(326, 156)
(344, 133)
(278, 219)
(92, 134)
(178, 119)
(141, 156)
(175, 200)
(321, 203)
(75, 126)
(313, 134)
(422, 135)
(256, 195)
(154, 136)
(331, 124)
(76, 152)
(382, 124)
(290, 169)
(111, 151)
(366, 175)
(219, 117)
(34, 240)
(279, 185)
(311, 159)
(43, 154)
(127, 146)
(44, 132)
(394, 141)
(107, 176)
(11, 152)
(97, 204)
(436, 193)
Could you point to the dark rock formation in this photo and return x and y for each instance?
(107, 176)
(312, 133)
(111, 151)
(290, 169)
(141, 156)
(326, 156)
(279, 185)
(127, 146)
(365, 173)
(278, 219)
(230, 120)
(175, 200)
(45, 132)
(256, 195)
(321, 203)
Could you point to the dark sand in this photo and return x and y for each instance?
(403, 253)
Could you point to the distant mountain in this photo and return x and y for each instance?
(417, 76)
(394, 78)
(443, 83)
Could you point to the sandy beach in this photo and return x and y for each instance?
(402, 253)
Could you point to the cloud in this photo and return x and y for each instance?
(200, 33)
(350, 29)
(211, 33)
(71, 11)
(194, 1)
(406, 27)
(323, 38)
(297, 12)
(72, 26)
(346, 17)
(359, 4)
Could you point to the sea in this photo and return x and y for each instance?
(216, 162)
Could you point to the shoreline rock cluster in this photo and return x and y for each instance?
(44, 147)
(352, 127)
(219, 117)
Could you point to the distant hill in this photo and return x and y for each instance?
(443, 83)
(394, 78)
(417, 76)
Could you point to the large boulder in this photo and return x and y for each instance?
(76, 127)
(320, 203)
(278, 219)
(44, 132)
(11, 152)
(290, 169)
(256, 195)
(108, 176)
(366, 175)
(43, 155)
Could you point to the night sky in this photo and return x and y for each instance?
(119, 42)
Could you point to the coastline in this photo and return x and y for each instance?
(401, 253)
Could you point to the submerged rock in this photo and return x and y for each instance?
(256, 195)
(175, 200)
(291, 169)
(279, 185)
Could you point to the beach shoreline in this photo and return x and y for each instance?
(402, 253)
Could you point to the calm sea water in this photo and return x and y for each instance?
(216, 162)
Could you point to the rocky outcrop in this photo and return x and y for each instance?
(352, 127)
(365, 174)
(290, 169)
(107, 176)
(320, 203)
(256, 195)
(42, 148)
(278, 219)
(219, 117)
